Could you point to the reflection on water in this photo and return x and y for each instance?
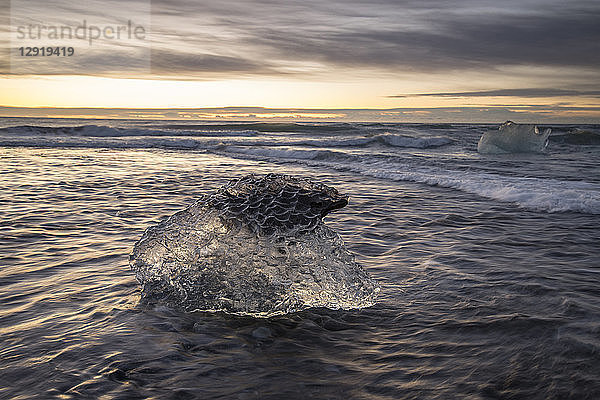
(479, 299)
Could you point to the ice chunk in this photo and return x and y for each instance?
(513, 138)
(257, 246)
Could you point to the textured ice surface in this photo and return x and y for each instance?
(256, 246)
(513, 138)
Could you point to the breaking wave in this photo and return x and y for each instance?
(536, 194)
(190, 138)
(107, 131)
(340, 146)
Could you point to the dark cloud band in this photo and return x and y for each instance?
(274, 37)
(526, 92)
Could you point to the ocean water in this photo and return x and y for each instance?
(489, 265)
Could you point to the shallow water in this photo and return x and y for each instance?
(482, 297)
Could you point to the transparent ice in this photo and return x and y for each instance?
(513, 138)
(256, 246)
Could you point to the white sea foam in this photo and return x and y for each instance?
(109, 142)
(100, 131)
(278, 153)
(84, 135)
(548, 195)
(388, 139)
(333, 142)
(384, 139)
(536, 194)
(414, 142)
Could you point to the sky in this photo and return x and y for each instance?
(470, 61)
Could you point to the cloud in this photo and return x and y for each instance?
(167, 62)
(254, 36)
(392, 35)
(447, 44)
(240, 38)
(527, 93)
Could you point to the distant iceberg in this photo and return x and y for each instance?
(513, 138)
